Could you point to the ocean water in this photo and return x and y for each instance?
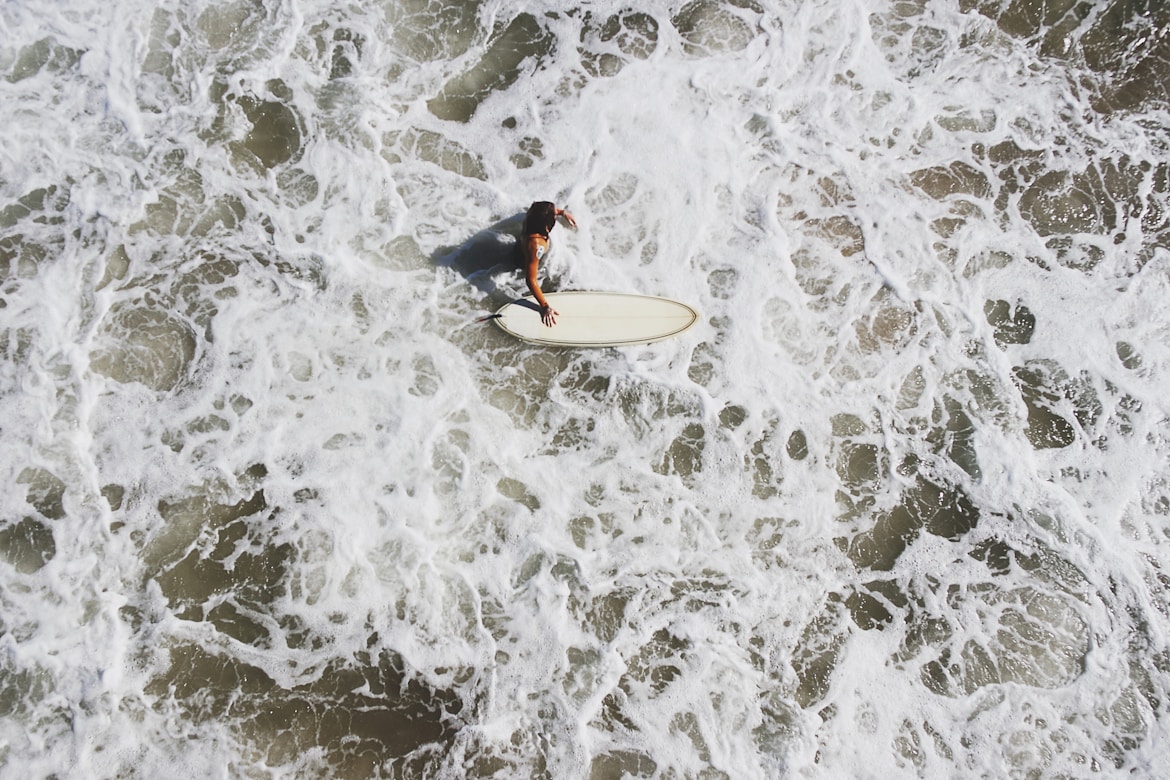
(280, 506)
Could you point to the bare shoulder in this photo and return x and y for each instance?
(532, 247)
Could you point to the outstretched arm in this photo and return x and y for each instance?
(531, 266)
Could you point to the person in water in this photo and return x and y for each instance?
(539, 220)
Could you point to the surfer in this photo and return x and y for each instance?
(539, 220)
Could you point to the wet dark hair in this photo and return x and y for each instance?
(540, 218)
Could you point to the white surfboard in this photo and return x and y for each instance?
(597, 319)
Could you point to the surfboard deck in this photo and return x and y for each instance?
(597, 319)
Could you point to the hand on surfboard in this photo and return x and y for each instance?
(548, 316)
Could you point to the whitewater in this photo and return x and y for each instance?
(281, 505)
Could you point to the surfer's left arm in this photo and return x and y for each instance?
(568, 218)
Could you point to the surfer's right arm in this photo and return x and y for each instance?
(532, 254)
